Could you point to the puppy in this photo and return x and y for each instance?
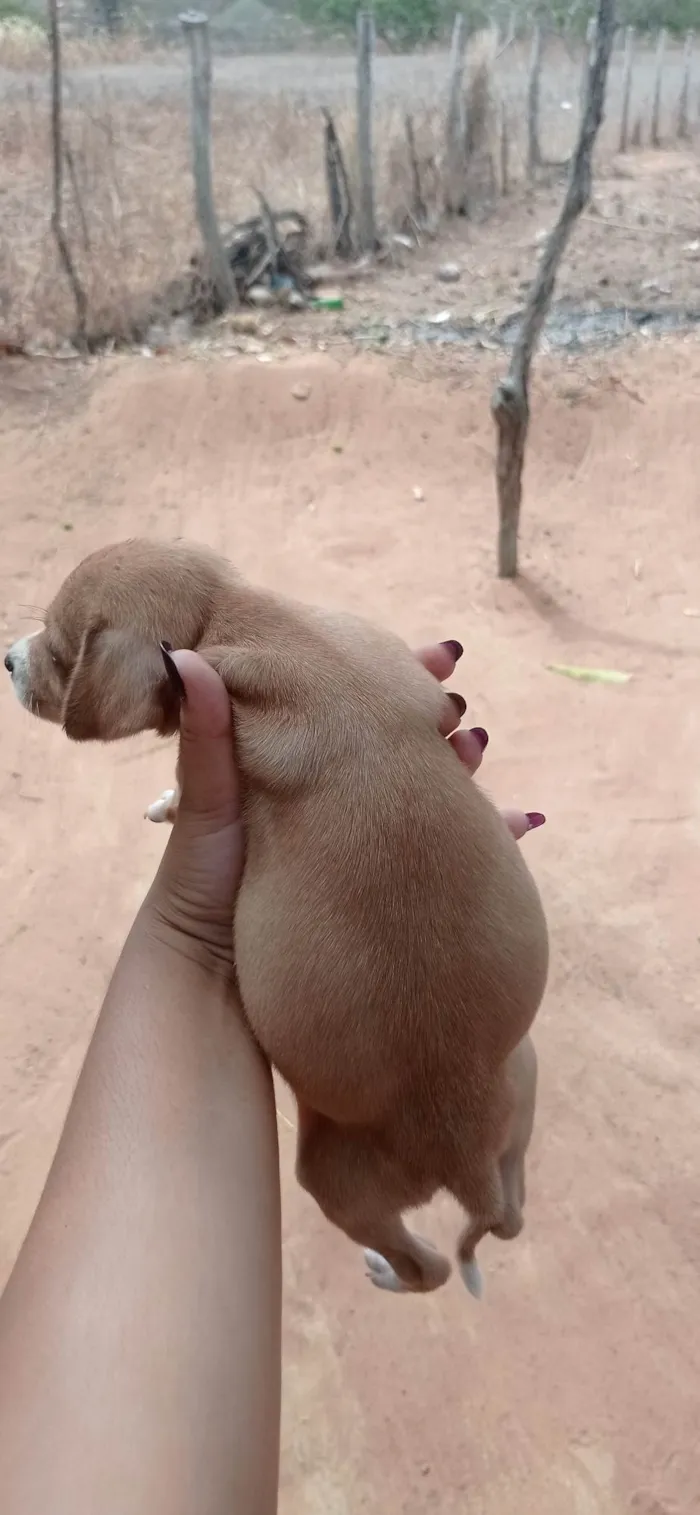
(390, 944)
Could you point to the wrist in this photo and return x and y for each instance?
(165, 928)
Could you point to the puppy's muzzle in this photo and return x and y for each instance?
(17, 665)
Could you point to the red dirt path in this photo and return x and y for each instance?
(572, 1390)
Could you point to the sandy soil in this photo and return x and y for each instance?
(571, 1389)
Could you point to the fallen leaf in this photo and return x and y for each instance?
(589, 675)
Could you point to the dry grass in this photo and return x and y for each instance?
(24, 48)
(128, 204)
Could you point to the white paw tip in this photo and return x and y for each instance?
(471, 1277)
(381, 1273)
(158, 811)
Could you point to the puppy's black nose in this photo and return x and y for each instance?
(9, 662)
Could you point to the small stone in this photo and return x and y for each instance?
(449, 273)
(418, 492)
(259, 295)
(301, 391)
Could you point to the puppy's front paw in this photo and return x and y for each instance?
(164, 808)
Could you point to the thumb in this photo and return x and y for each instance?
(207, 768)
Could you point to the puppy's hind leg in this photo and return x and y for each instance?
(480, 1191)
(522, 1075)
(359, 1190)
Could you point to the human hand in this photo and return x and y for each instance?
(194, 891)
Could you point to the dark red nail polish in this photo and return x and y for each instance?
(535, 818)
(459, 701)
(482, 736)
(455, 648)
(174, 676)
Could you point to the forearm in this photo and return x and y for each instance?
(139, 1333)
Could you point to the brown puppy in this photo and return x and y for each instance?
(390, 944)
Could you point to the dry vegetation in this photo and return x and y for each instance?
(128, 190)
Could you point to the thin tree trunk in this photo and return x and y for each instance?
(195, 28)
(510, 404)
(626, 89)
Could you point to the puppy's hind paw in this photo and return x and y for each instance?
(164, 808)
(381, 1273)
(471, 1277)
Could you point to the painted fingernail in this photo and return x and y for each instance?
(455, 648)
(535, 818)
(174, 676)
(482, 736)
(459, 701)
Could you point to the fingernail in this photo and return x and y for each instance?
(535, 818)
(455, 648)
(482, 736)
(459, 701)
(174, 676)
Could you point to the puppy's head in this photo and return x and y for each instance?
(96, 667)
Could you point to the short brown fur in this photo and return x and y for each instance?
(390, 944)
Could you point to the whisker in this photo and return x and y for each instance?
(33, 612)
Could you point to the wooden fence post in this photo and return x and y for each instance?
(195, 26)
(654, 130)
(504, 148)
(589, 49)
(626, 89)
(682, 123)
(534, 152)
(454, 120)
(365, 50)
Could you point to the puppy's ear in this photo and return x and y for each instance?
(118, 687)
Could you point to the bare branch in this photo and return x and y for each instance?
(418, 206)
(510, 403)
(339, 196)
(64, 252)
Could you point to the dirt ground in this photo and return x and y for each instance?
(571, 1390)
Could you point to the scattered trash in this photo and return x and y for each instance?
(589, 675)
(440, 319)
(328, 302)
(448, 273)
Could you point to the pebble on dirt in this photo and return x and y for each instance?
(449, 273)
